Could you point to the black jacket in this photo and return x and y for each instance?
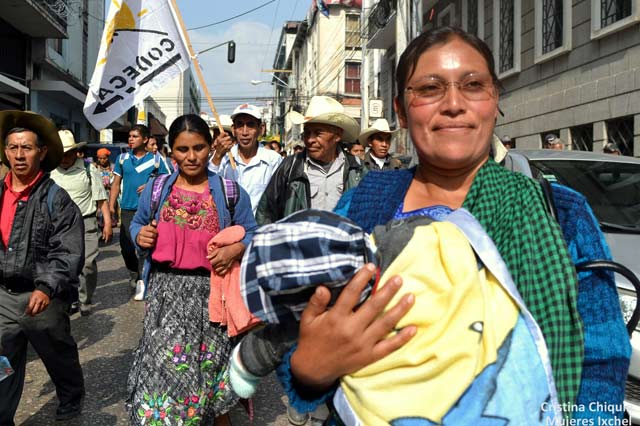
(45, 252)
(389, 163)
(289, 191)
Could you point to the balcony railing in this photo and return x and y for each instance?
(56, 10)
(379, 15)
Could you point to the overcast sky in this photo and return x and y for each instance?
(256, 35)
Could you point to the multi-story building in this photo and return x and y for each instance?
(321, 55)
(567, 67)
(22, 21)
(178, 97)
(388, 26)
(571, 68)
(284, 81)
(48, 49)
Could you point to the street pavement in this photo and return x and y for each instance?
(106, 340)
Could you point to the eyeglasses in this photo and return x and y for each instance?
(474, 87)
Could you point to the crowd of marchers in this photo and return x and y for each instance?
(208, 213)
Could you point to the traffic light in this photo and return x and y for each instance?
(231, 52)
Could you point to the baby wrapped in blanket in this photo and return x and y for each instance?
(478, 356)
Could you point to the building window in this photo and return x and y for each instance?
(56, 44)
(352, 78)
(507, 31)
(447, 17)
(612, 11)
(352, 32)
(552, 29)
(620, 132)
(473, 17)
(506, 35)
(582, 138)
(608, 16)
(551, 25)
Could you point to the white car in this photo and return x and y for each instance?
(611, 184)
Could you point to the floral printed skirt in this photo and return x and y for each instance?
(180, 369)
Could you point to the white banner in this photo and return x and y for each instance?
(142, 49)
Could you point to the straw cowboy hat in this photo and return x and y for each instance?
(68, 142)
(43, 127)
(226, 122)
(326, 110)
(379, 126)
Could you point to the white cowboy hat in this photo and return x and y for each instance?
(326, 110)
(225, 121)
(68, 142)
(379, 126)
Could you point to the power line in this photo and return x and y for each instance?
(293, 12)
(273, 24)
(233, 17)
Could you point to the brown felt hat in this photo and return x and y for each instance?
(43, 127)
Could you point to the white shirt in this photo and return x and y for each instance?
(253, 176)
(379, 161)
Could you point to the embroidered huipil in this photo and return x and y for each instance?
(188, 220)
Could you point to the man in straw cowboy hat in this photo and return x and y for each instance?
(227, 125)
(83, 183)
(316, 177)
(254, 164)
(42, 255)
(378, 139)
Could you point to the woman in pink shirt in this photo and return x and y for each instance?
(180, 370)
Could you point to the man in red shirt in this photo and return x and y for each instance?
(41, 256)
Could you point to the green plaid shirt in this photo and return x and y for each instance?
(512, 210)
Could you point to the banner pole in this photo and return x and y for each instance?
(196, 63)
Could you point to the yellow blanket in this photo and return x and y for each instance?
(463, 316)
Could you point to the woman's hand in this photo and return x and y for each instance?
(148, 236)
(339, 341)
(223, 257)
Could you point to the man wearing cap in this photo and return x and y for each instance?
(378, 139)
(84, 185)
(611, 148)
(133, 169)
(507, 142)
(254, 163)
(275, 146)
(551, 141)
(41, 257)
(316, 177)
